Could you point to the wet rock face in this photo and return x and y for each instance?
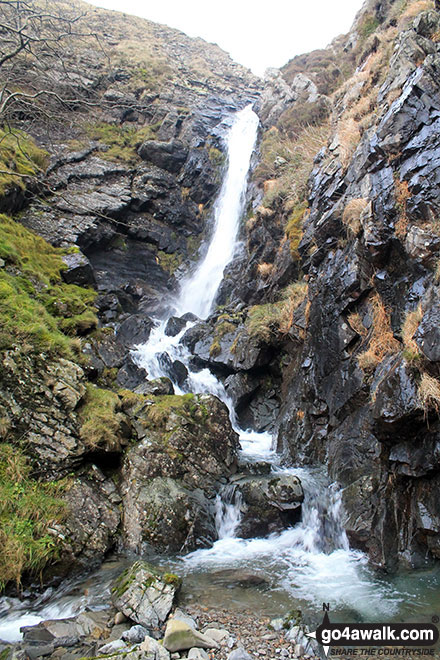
(347, 402)
(90, 528)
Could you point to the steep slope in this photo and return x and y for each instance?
(360, 389)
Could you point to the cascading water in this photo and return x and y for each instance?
(198, 291)
(311, 561)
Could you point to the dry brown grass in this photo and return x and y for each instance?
(410, 325)
(363, 108)
(292, 298)
(429, 393)
(351, 216)
(413, 10)
(382, 341)
(349, 136)
(288, 183)
(264, 270)
(402, 195)
(355, 321)
(266, 321)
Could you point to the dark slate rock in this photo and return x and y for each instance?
(111, 352)
(174, 326)
(395, 394)
(134, 330)
(168, 156)
(176, 370)
(79, 270)
(130, 375)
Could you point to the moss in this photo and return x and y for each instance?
(27, 509)
(368, 25)
(294, 227)
(101, 419)
(169, 262)
(122, 141)
(39, 313)
(20, 154)
(171, 578)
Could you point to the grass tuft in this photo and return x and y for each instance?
(266, 321)
(27, 510)
(101, 419)
(382, 341)
(429, 393)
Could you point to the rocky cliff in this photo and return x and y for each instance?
(326, 324)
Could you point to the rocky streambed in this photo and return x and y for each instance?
(139, 618)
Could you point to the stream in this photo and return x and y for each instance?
(301, 567)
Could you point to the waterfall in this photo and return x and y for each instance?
(198, 291)
(311, 561)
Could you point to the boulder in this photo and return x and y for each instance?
(150, 649)
(157, 387)
(93, 516)
(144, 594)
(131, 376)
(134, 330)
(187, 449)
(179, 636)
(175, 325)
(168, 156)
(162, 513)
(78, 270)
(269, 504)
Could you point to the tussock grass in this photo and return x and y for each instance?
(349, 136)
(351, 216)
(289, 162)
(412, 10)
(264, 270)
(429, 393)
(402, 195)
(409, 327)
(266, 321)
(101, 419)
(382, 341)
(27, 510)
(356, 323)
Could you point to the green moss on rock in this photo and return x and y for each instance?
(39, 312)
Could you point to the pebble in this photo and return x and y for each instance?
(120, 618)
(135, 635)
(197, 654)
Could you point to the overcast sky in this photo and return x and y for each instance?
(255, 33)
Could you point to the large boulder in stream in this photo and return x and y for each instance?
(187, 449)
(144, 594)
(268, 504)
